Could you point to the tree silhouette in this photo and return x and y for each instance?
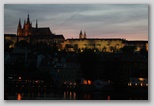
(128, 49)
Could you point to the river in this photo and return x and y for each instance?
(72, 95)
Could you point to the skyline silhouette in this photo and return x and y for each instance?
(129, 21)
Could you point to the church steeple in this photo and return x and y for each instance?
(36, 24)
(19, 24)
(19, 29)
(80, 32)
(28, 20)
(80, 35)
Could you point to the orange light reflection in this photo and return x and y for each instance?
(19, 96)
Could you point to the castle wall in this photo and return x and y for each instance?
(100, 44)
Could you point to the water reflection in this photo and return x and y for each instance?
(108, 97)
(69, 95)
(19, 97)
(87, 96)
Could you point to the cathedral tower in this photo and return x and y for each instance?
(19, 29)
(81, 36)
(27, 27)
(84, 35)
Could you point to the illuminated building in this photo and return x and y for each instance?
(100, 44)
(36, 34)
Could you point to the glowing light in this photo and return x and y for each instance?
(129, 84)
(141, 79)
(136, 84)
(10, 46)
(36, 81)
(64, 95)
(19, 96)
(85, 82)
(141, 84)
(146, 84)
(70, 95)
(74, 95)
(89, 82)
(19, 78)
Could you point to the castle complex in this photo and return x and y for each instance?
(100, 44)
(36, 34)
(28, 30)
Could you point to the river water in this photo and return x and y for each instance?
(71, 95)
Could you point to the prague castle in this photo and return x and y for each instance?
(28, 30)
(100, 44)
(44, 34)
(36, 34)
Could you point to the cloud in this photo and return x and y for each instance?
(96, 19)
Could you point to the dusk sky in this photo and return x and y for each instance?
(129, 21)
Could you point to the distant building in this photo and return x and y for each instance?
(37, 34)
(100, 44)
(28, 30)
(138, 44)
(34, 34)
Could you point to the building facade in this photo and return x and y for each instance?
(36, 34)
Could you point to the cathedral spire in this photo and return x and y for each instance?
(84, 34)
(28, 20)
(36, 24)
(80, 35)
(80, 32)
(19, 24)
(19, 29)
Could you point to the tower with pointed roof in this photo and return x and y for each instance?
(82, 36)
(28, 30)
(19, 29)
(36, 24)
(27, 27)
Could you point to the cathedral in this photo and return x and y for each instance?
(36, 34)
(28, 30)
(43, 34)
